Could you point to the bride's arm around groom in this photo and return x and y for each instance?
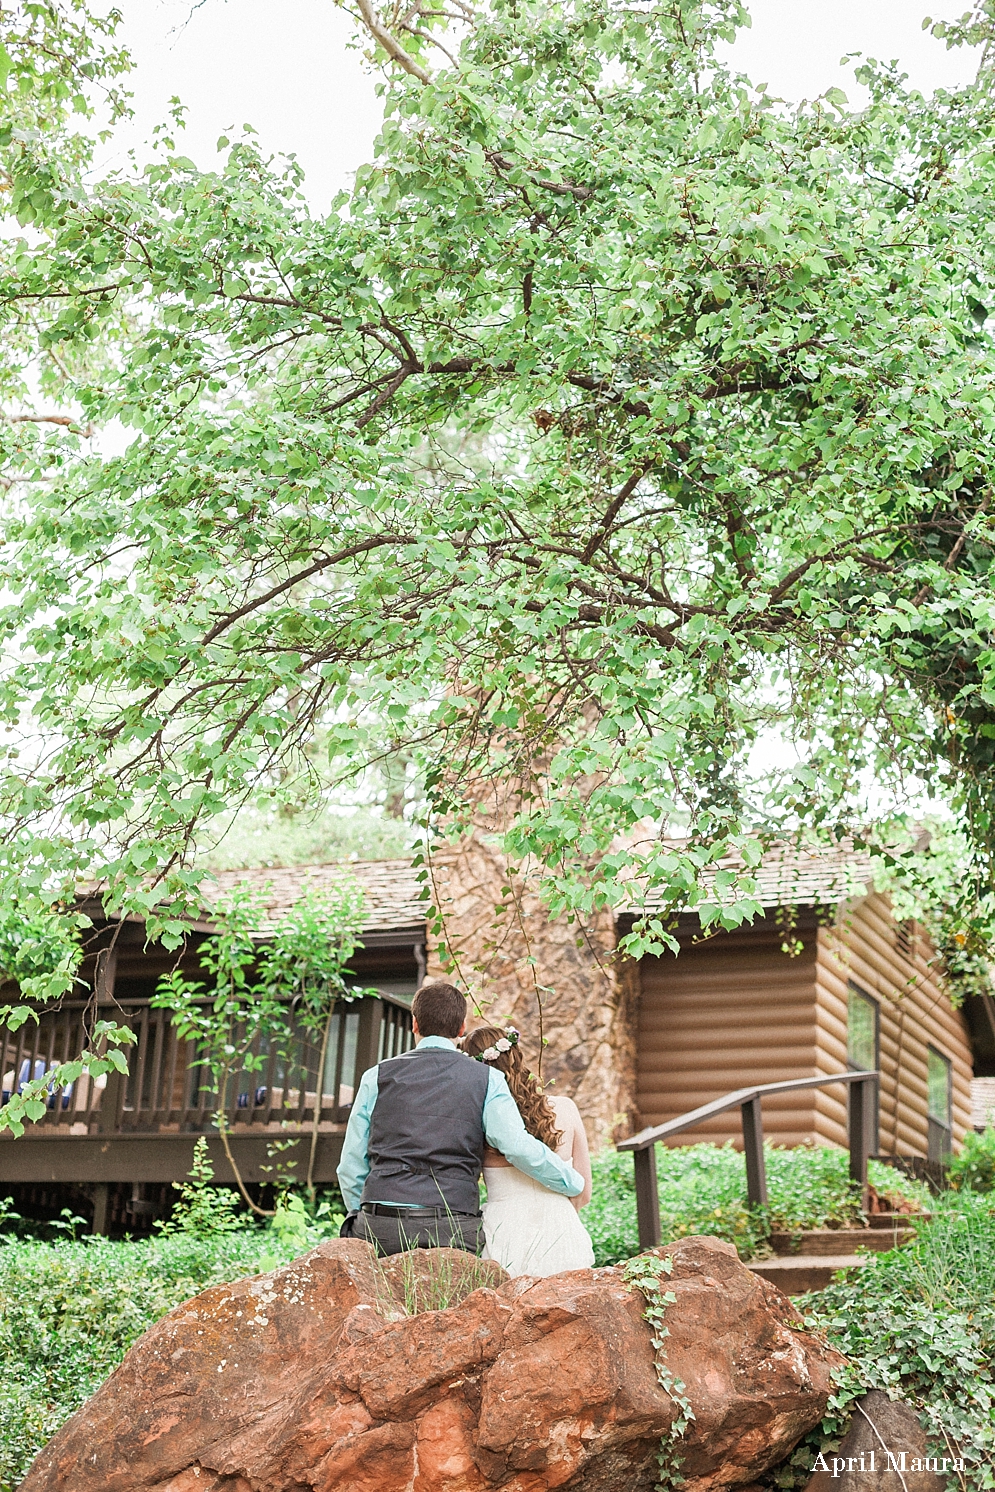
(413, 1149)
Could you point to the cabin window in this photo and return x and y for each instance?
(863, 1039)
(939, 1083)
(861, 1031)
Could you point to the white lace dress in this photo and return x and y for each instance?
(530, 1230)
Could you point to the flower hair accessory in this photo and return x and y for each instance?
(503, 1044)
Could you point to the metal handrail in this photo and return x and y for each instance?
(747, 1100)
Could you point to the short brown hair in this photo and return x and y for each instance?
(440, 1010)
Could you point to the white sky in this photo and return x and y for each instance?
(287, 69)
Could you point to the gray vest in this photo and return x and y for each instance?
(426, 1143)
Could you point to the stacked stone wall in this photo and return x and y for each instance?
(521, 959)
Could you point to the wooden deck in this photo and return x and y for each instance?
(142, 1127)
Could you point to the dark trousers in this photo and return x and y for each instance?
(394, 1235)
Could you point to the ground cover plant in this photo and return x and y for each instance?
(919, 1323)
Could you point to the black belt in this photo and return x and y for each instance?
(384, 1209)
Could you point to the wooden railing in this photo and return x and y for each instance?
(167, 1089)
(863, 1087)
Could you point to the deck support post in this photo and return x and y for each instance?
(647, 1197)
(100, 1198)
(753, 1148)
(861, 1128)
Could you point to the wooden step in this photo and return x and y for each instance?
(897, 1219)
(801, 1273)
(840, 1241)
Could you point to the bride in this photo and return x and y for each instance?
(528, 1229)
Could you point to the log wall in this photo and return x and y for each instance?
(895, 965)
(735, 1010)
(727, 1012)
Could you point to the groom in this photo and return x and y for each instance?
(414, 1145)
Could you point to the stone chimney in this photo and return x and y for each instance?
(541, 974)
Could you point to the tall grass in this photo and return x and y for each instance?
(422, 1280)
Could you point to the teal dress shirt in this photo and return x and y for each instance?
(503, 1129)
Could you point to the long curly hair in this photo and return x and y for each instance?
(533, 1105)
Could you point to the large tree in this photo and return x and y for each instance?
(620, 420)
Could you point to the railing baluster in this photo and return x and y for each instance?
(861, 1124)
(271, 1065)
(170, 1106)
(342, 1011)
(753, 1148)
(368, 1038)
(157, 1087)
(251, 1117)
(20, 1040)
(48, 1028)
(135, 1087)
(64, 1026)
(647, 1198)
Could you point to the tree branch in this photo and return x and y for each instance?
(392, 47)
(614, 508)
(286, 585)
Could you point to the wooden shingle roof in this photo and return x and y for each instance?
(788, 876)
(792, 877)
(395, 897)
(393, 892)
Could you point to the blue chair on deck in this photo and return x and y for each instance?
(23, 1078)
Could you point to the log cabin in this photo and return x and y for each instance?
(827, 979)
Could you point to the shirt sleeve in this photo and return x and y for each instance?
(503, 1128)
(354, 1163)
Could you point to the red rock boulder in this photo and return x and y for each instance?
(317, 1378)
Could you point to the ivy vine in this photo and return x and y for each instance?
(645, 1273)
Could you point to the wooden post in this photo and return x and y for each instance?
(647, 1197)
(100, 1193)
(104, 975)
(112, 1102)
(861, 1125)
(753, 1148)
(368, 1038)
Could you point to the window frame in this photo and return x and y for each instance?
(939, 1133)
(853, 988)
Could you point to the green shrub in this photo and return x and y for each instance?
(974, 1167)
(919, 1323)
(703, 1190)
(204, 1210)
(69, 1312)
